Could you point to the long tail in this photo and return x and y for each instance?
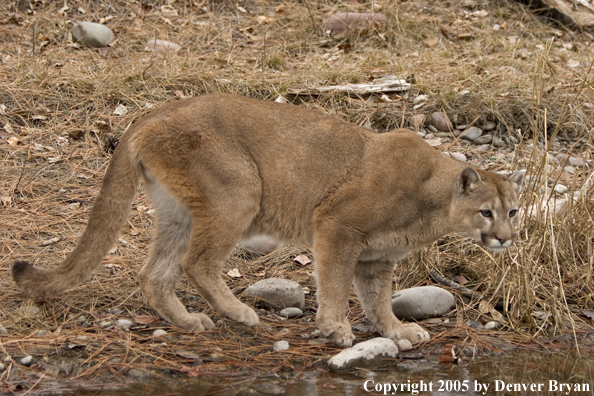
(108, 216)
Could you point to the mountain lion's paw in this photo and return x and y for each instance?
(414, 333)
(340, 334)
(196, 322)
(242, 314)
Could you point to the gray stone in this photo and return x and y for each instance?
(489, 126)
(2, 367)
(560, 189)
(92, 34)
(291, 312)
(277, 293)
(485, 139)
(473, 324)
(472, 133)
(432, 129)
(260, 245)
(124, 324)
(442, 122)
(115, 311)
(371, 353)
(138, 375)
(497, 142)
(3, 331)
(571, 160)
(458, 156)
(422, 302)
(28, 361)
(281, 346)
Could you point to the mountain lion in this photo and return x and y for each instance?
(219, 168)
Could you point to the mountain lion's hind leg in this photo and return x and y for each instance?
(163, 269)
(373, 281)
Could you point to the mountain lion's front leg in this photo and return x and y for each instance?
(373, 281)
(335, 258)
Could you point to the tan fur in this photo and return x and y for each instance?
(219, 168)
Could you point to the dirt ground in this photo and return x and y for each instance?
(63, 107)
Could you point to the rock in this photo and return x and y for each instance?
(162, 47)
(442, 122)
(42, 333)
(28, 361)
(422, 302)
(370, 353)
(442, 134)
(571, 160)
(561, 189)
(429, 136)
(458, 156)
(473, 324)
(281, 346)
(471, 133)
(159, 333)
(417, 121)
(2, 367)
(138, 375)
(291, 313)
(485, 139)
(277, 293)
(92, 34)
(422, 133)
(115, 311)
(497, 142)
(489, 126)
(432, 129)
(124, 324)
(482, 148)
(355, 21)
(260, 245)
(3, 331)
(492, 325)
(404, 345)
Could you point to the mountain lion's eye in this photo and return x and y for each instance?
(513, 212)
(486, 213)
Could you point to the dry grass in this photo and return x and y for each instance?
(59, 101)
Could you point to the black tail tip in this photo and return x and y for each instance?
(19, 268)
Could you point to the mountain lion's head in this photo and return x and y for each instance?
(486, 207)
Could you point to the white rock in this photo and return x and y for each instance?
(404, 345)
(124, 324)
(422, 302)
(27, 360)
(497, 142)
(92, 34)
(2, 367)
(482, 148)
(459, 156)
(291, 312)
(159, 333)
(3, 331)
(281, 346)
(365, 354)
(472, 133)
(561, 189)
(492, 325)
(277, 293)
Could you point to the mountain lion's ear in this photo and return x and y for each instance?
(516, 179)
(468, 180)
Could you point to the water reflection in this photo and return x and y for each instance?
(514, 373)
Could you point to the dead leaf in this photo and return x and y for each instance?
(234, 273)
(302, 259)
(485, 307)
(461, 279)
(13, 141)
(187, 354)
(8, 128)
(120, 110)
(145, 319)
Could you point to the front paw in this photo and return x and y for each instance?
(340, 334)
(241, 313)
(195, 322)
(414, 333)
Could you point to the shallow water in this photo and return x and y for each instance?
(514, 373)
